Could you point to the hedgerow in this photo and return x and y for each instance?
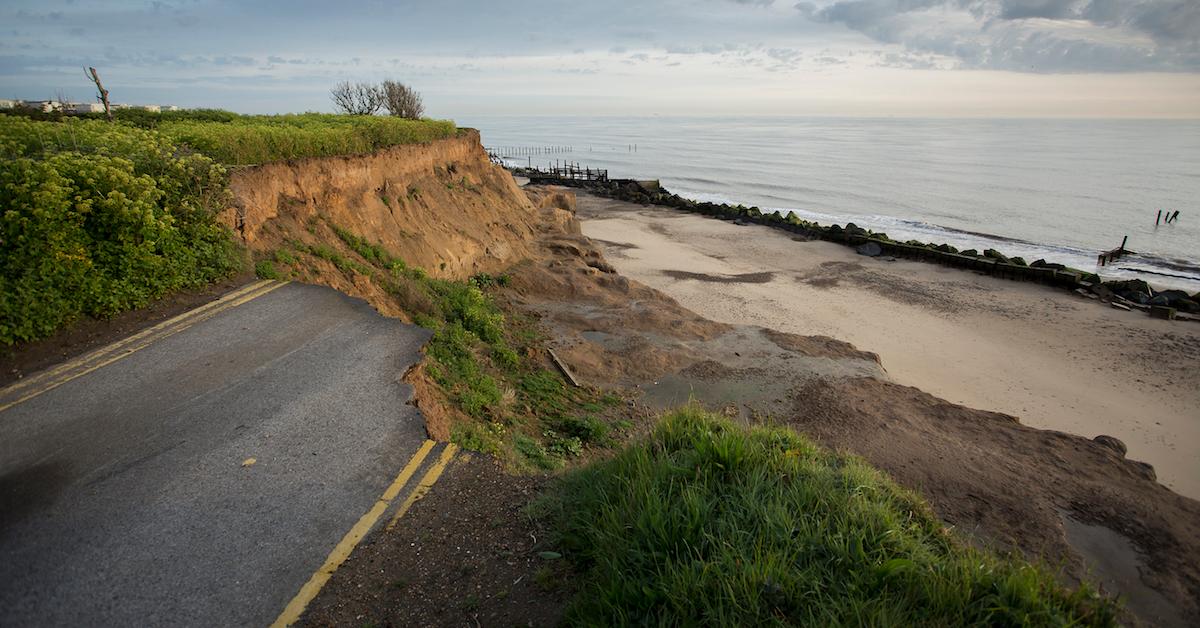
(259, 139)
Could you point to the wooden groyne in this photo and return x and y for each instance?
(566, 172)
(1115, 254)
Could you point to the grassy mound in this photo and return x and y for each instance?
(706, 522)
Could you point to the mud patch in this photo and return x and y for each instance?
(764, 277)
(823, 282)
(1113, 560)
(818, 346)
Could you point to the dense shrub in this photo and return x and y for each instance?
(99, 218)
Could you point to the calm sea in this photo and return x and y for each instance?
(1056, 189)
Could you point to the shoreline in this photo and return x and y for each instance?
(1134, 292)
(1052, 358)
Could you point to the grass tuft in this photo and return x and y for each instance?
(708, 522)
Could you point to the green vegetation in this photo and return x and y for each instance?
(100, 218)
(260, 139)
(234, 139)
(103, 217)
(708, 522)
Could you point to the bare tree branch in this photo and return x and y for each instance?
(359, 99)
(402, 100)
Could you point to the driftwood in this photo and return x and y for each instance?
(562, 366)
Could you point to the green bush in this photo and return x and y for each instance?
(266, 270)
(707, 522)
(98, 219)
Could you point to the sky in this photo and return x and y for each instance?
(928, 58)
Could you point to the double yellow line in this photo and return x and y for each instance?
(50, 379)
(292, 612)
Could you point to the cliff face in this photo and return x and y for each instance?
(442, 206)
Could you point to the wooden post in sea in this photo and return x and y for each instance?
(1158, 218)
(1123, 241)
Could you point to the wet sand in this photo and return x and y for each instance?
(1051, 358)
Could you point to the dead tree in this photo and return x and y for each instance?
(402, 100)
(358, 99)
(95, 78)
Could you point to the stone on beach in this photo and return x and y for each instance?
(870, 249)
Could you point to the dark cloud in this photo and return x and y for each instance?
(1037, 35)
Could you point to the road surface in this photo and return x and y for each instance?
(202, 472)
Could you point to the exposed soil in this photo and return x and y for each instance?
(465, 555)
(92, 333)
(441, 206)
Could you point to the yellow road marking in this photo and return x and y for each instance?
(342, 550)
(53, 378)
(431, 476)
(66, 366)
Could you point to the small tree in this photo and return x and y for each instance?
(402, 100)
(358, 99)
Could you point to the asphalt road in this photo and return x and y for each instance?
(124, 494)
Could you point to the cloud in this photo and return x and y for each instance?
(1032, 35)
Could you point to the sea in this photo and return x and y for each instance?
(1055, 189)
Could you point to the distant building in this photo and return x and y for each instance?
(8, 104)
(151, 108)
(170, 108)
(45, 106)
(89, 107)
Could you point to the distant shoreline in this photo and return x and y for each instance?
(1124, 294)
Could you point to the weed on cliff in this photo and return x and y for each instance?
(706, 522)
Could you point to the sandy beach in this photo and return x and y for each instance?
(1055, 360)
